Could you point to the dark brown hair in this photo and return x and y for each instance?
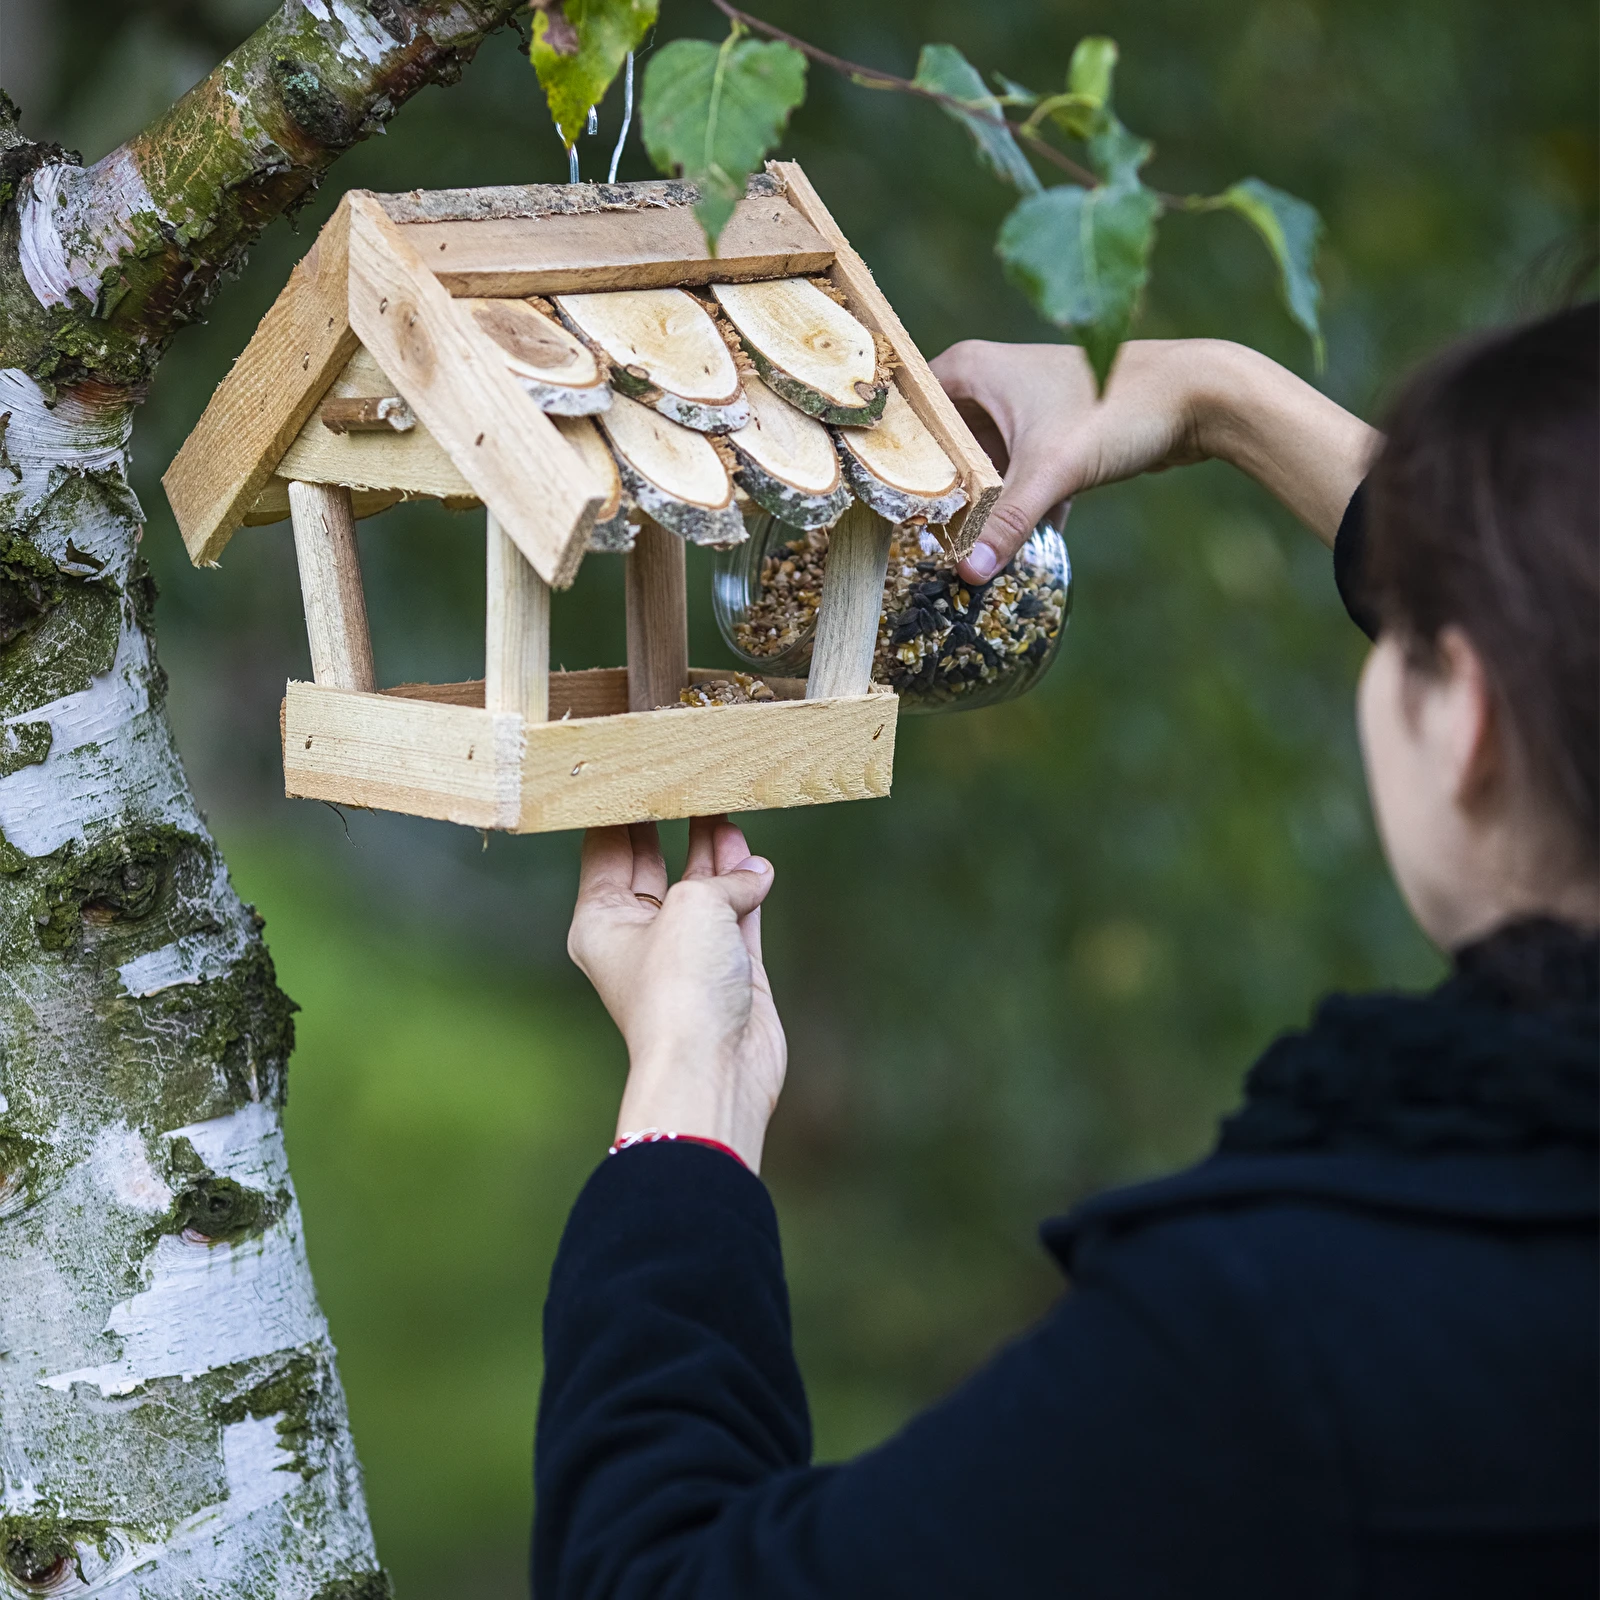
(1485, 514)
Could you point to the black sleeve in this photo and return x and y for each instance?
(1088, 1459)
(1349, 560)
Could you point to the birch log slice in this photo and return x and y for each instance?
(899, 468)
(612, 531)
(807, 348)
(673, 474)
(787, 462)
(558, 370)
(665, 350)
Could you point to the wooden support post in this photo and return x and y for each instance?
(330, 585)
(516, 657)
(658, 618)
(852, 598)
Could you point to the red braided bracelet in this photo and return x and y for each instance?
(627, 1141)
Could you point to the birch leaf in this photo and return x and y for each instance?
(942, 69)
(1013, 93)
(1292, 230)
(574, 79)
(711, 114)
(1084, 112)
(1082, 256)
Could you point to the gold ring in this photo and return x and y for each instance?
(639, 894)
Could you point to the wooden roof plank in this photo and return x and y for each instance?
(648, 249)
(456, 380)
(300, 347)
(915, 379)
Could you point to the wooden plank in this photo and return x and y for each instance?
(491, 201)
(454, 763)
(654, 249)
(330, 585)
(915, 379)
(272, 504)
(657, 598)
(516, 656)
(852, 599)
(411, 463)
(487, 770)
(454, 377)
(646, 766)
(302, 342)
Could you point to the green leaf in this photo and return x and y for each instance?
(1094, 62)
(1013, 93)
(942, 69)
(1292, 230)
(711, 114)
(1115, 154)
(1082, 256)
(606, 30)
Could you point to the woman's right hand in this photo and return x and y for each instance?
(1169, 402)
(1034, 409)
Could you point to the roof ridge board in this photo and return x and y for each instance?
(532, 200)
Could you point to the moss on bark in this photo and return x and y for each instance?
(123, 878)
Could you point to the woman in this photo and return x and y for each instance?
(1351, 1353)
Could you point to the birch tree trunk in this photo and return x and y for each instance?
(171, 1421)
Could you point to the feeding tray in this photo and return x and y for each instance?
(575, 362)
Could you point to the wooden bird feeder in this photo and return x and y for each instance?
(475, 346)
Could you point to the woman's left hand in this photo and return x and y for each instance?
(680, 971)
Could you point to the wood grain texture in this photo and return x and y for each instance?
(914, 379)
(302, 342)
(516, 657)
(649, 249)
(455, 763)
(454, 377)
(852, 598)
(487, 770)
(596, 692)
(657, 598)
(272, 504)
(647, 766)
(412, 463)
(368, 414)
(330, 585)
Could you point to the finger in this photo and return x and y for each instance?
(701, 862)
(649, 875)
(728, 845)
(1038, 481)
(606, 866)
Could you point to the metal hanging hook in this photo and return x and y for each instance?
(627, 118)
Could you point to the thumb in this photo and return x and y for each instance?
(1031, 488)
(743, 888)
(748, 884)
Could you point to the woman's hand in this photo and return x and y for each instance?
(680, 971)
(1169, 402)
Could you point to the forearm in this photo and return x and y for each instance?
(1304, 449)
(670, 1386)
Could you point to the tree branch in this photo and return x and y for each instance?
(871, 78)
(116, 257)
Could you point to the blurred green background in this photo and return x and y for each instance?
(1043, 966)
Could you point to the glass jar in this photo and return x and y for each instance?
(943, 644)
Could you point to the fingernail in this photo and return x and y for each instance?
(756, 865)
(981, 563)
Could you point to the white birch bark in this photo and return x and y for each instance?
(171, 1421)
